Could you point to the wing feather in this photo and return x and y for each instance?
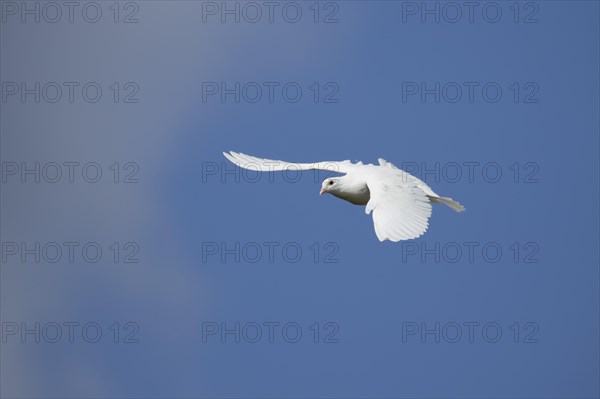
(270, 165)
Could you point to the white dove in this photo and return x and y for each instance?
(401, 203)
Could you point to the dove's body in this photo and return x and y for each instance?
(401, 203)
(354, 186)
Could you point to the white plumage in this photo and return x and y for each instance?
(400, 203)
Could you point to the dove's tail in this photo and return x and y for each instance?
(448, 201)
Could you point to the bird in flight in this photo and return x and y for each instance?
(401, 203)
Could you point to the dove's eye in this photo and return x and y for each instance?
(330, 182)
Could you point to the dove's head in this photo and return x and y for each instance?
(330, 185)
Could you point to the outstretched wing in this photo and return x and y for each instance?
(270, 165)
(400, 209)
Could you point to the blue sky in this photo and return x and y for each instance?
(499, 112)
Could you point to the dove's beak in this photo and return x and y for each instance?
(322, 191)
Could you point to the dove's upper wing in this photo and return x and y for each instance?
(269, 165)
(400, 208)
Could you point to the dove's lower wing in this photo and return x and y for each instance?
(270, 165)
(400, 210)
